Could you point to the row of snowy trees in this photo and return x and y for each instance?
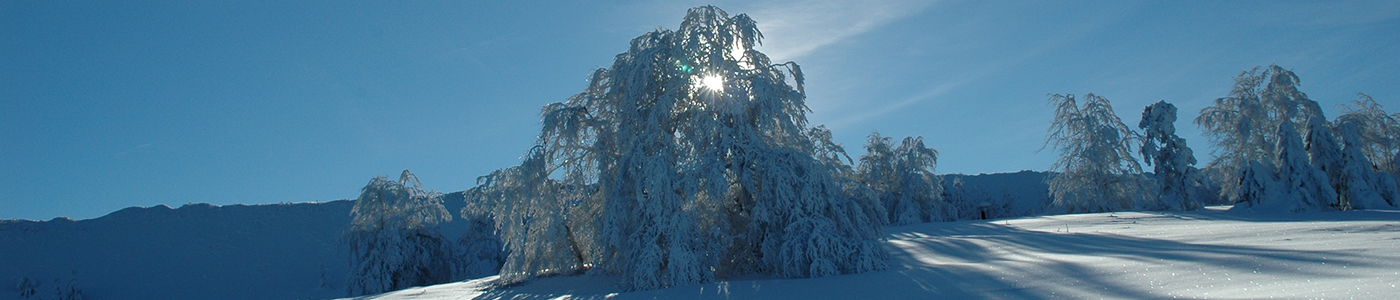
(1277, 167)
(1264, 161)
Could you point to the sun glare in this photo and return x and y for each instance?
(713, 83)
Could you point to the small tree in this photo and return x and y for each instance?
(394, 239)
(1171, 159)
(1096, 170)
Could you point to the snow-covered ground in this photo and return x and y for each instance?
(1210, 253)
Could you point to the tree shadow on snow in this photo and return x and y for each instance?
(971, 260)
(989, 260)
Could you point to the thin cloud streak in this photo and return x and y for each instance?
(794, 30)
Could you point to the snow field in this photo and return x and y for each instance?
(1204, 254)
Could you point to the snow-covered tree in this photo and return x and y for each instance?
(530, 218)
(1378, 134)
(1305, 187)
(962, 205)
(688, 159)
(903, 179)
(394, 239)
(1242, 125)
(834, 156)
(1171, 159)
(1325, 153)
(479, 249)
(1256, 186)
(1096, 170)
(1360, 186)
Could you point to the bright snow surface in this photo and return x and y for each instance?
(1210, 253)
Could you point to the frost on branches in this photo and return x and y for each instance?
(688, 159)
(1171, 159)
(393, 237)
(903, 180)
(1243, 124)
(1096, 169)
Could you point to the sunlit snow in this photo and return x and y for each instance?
(1203, 254)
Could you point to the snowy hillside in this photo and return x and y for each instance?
(197, 251)
(1026, 189)
(1210, 253)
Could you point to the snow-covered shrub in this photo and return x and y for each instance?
(1242, 125)
(1257, 184)
(393, 237)
(688, 159)
(1171, 159)
(1096, 169)
(903, 179)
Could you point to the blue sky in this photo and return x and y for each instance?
(110, 105)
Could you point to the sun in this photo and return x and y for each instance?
(713, 83)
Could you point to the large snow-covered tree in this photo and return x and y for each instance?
(393, 237)
(688, 159)
(1242, 125)
(1171, 159)
(1096, 170)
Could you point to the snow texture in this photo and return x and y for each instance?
(1209, 253)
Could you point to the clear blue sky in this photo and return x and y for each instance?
(112, 104)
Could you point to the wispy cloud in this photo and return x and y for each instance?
(795, 29)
